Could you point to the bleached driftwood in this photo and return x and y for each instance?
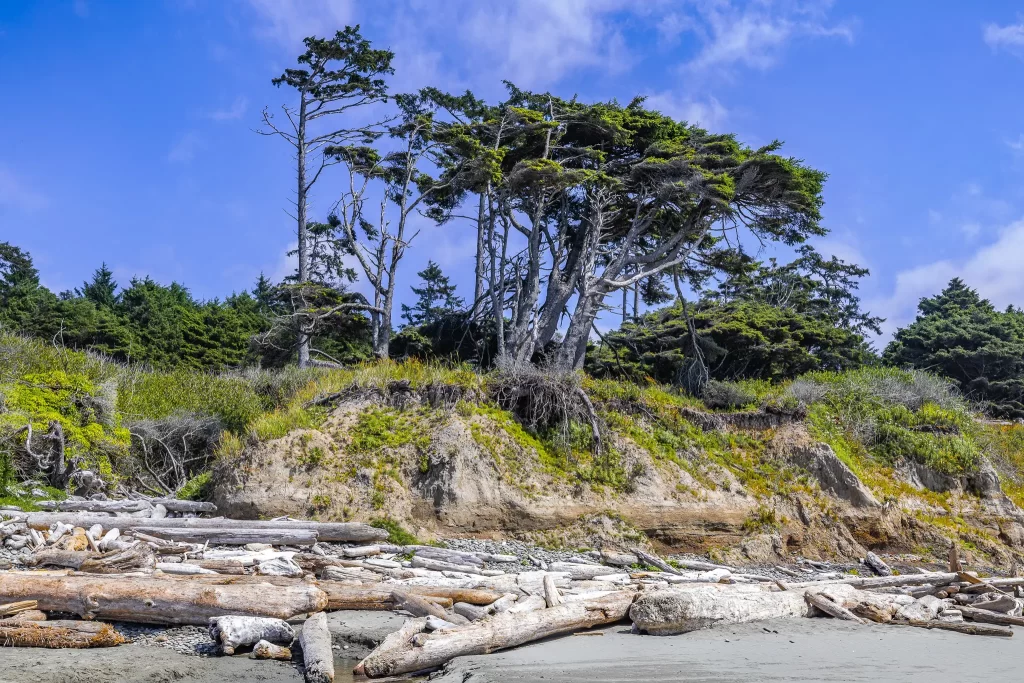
(96, 505)
(877, 565)
(969, 629)
(987, 617)
(12, 608)
(279, 566)
(528, 604)
(428, 651)
(232, 632)
(833, 609)
(674, 611)
(159, 601)
(317, 656)
(445, 555)
(417, 606)
(442, 566)
(59, 634)
(619, 559)
(233, 536)
(504, 602)
(552, 597)
(175, 505)
(581, 572)
(937, 578)
(326, 531)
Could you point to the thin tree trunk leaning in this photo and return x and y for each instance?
(348, 532)
(229, 536)
(495, 633)
(159, 601)
(317, 655)
(655, 561)
(59, 634)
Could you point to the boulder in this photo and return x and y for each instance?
(832, 473)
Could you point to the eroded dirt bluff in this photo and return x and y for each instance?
(751, 487)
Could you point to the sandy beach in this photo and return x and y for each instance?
(796, 651)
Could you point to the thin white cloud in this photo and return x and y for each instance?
(754, 35)
(185, 148)
(289, 21)
(993, 270)
(15, 194)
(1010, 37)
(1016, 145)
(709, 114)
(235, 111)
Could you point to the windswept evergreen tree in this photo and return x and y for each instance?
(101, 290)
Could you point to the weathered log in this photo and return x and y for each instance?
(159, 601)
(552, 598)
(29, 615)
(438, 624)
(316, 563)
(183, 569)
(619, 559)
(348, 532)
(831, 608)
(53, 557)
(668, 612)
(395, 641)
(361, 551)
(496, 633)
(95, 505)
(445, 555)
(232, 632)
(986, 617)
(139, 556)
(59, 634)
(954, 559)
(12, 608)
(504, 602)
(417, 606)
(442, 566)
(267, 650)
(655, 561)
(969, 629)
(581, 572)
(528, 604)
(233, 536)
(995, 602)
(877, 565)
(936, 578)
(279, 566)
(471, 612)
(317, 656)
(176, 505)
(219, 566)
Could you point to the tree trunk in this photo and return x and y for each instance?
(300, 217)
(496, 633)
(478, 270)
(160, 601)
(330, 532)
(59, 634)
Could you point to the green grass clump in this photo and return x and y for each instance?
(232, 399)
(199, 487)
(762, 520)
(380, 428)
(397, 534)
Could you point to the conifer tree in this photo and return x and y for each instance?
(436, 298)
(102, 290)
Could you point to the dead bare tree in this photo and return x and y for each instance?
(336, 77)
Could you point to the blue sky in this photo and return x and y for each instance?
(128, 126)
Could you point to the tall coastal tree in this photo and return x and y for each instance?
(435, 298)
(335, 78)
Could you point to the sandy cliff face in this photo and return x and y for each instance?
(466, 473)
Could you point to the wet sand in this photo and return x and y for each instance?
(803, 650)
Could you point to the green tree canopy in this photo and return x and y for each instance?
(962, 336)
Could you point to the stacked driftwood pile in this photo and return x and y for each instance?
(154, 562)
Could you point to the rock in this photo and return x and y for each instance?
(279, 566)
(672, 611)
(831, 473)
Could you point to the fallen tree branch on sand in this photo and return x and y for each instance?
(59, 634)
(428, 651)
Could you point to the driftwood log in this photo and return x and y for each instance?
(159, 601)
(232, 632)
(96, 505)
(429, 651)
(831, 608)
(267, 650)
(349, 532)
(233, 536)
(877, 564)
(937, 578)
(317, 656)
(969, 629)
(10, 609)
(987, 617)
(59, 634)
(175, 505)
(655, 561)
